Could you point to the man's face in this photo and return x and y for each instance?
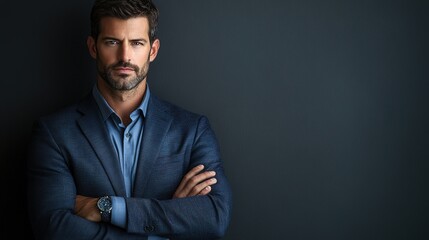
(123, 52)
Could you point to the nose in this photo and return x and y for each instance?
(124, 53)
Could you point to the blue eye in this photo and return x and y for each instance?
(111, 42)
(137, 43)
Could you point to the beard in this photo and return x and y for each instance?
(122, 82)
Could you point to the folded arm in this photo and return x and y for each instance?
(194, 183)
(194, 212)
(196, 217)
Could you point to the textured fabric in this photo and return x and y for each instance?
(71, 153)
(125, 139)
(127, 143)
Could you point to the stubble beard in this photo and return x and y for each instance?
(123, 82)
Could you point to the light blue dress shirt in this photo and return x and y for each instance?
(126, 141)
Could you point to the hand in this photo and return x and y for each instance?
(86, 207)
(195, 183)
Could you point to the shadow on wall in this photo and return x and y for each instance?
(57, 71)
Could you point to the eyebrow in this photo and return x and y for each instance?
(131, 40)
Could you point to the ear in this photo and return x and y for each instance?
(154, 49)
(92, 48)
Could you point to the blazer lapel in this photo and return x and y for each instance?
(93, 128)
(157, 123)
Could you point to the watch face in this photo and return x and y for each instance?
(104, 204)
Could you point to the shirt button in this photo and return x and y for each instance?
(128, 135)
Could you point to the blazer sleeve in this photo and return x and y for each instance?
(51, 193)
(198, 217)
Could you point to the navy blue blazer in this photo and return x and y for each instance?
(70, 153)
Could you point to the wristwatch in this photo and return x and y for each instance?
(104, 204)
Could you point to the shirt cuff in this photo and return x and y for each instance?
(119, 212)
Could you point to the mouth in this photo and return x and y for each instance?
(124, 69)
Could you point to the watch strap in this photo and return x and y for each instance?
(106, 216)
(104, 204)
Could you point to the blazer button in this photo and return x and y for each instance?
(149, 228)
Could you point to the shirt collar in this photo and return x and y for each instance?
(106, 110)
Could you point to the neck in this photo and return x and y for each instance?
(123, 102)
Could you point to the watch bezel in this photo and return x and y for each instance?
(104, 204)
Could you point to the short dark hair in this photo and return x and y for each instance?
(124, 9)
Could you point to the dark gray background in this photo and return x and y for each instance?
(320, 107)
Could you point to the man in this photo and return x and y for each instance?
(121, 163)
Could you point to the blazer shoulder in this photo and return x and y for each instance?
(175, 110)
(66, 113)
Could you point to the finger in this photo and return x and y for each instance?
(189, 175)
(205, 191)
(201, 187)
(187, 185)
(195, 180)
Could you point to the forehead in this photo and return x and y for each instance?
(137, 27)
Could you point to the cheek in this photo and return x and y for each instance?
(142, 61)
(106, 57)
(106, 62)
(142, 54)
